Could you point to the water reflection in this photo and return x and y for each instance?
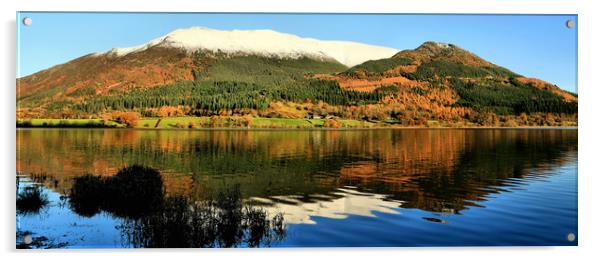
(339, 205)
(133, 192)
(337, 175)
(150, 219)
(220, 222)
(30, 200)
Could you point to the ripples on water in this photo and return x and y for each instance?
(333, 188)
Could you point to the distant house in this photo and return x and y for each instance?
(313, 116)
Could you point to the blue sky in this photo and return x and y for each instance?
(538, 46)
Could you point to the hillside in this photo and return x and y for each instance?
(444, 79)
(229, 75)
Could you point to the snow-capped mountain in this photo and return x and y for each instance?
(205, 69)
(263, 43)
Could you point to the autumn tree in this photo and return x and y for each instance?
(166, 111)
(331, 123)
(488, 119)
(130, 119)
(247, 121)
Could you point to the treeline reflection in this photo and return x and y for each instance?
(434, 170)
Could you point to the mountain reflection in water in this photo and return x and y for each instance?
(314, 176)
(344, 202)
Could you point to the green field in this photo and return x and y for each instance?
(69, 123)
(230, 123)
(258, 122)
(191, 122)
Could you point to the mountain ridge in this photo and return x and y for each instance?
(263, 43)
(437, 81)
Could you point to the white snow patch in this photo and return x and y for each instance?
(264, 43)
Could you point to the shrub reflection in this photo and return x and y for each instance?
(31, 200)
(150, 219)
(133, 192)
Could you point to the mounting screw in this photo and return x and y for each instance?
(570, 23)
(27, 21)
(570, 237)
(27, 239)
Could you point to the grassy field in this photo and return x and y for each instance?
(258, 122)
(68, 123)
(232, 122)
(191, 122)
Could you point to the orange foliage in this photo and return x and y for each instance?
(369, 85)
(156, 66)
(331, 123)
(128, 118)
(540, 84)
(169, 111)
(247, 121)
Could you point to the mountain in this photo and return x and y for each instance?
(266, 43)
(204, 72)
(456, 78)
(429, 53)
(177, 56)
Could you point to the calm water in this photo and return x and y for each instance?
(331, 188)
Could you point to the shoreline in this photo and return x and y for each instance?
(262, 123)
(320, 128)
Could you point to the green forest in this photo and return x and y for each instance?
(211, 96)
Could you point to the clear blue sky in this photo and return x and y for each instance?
(532, 45)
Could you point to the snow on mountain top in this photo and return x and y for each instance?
(265, 43)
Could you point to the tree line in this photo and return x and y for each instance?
(228, 95)
(509, 98)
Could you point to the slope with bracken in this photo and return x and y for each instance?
(447, 80)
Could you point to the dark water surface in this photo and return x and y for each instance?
(411, 187)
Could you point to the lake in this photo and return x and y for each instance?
(306, 188)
